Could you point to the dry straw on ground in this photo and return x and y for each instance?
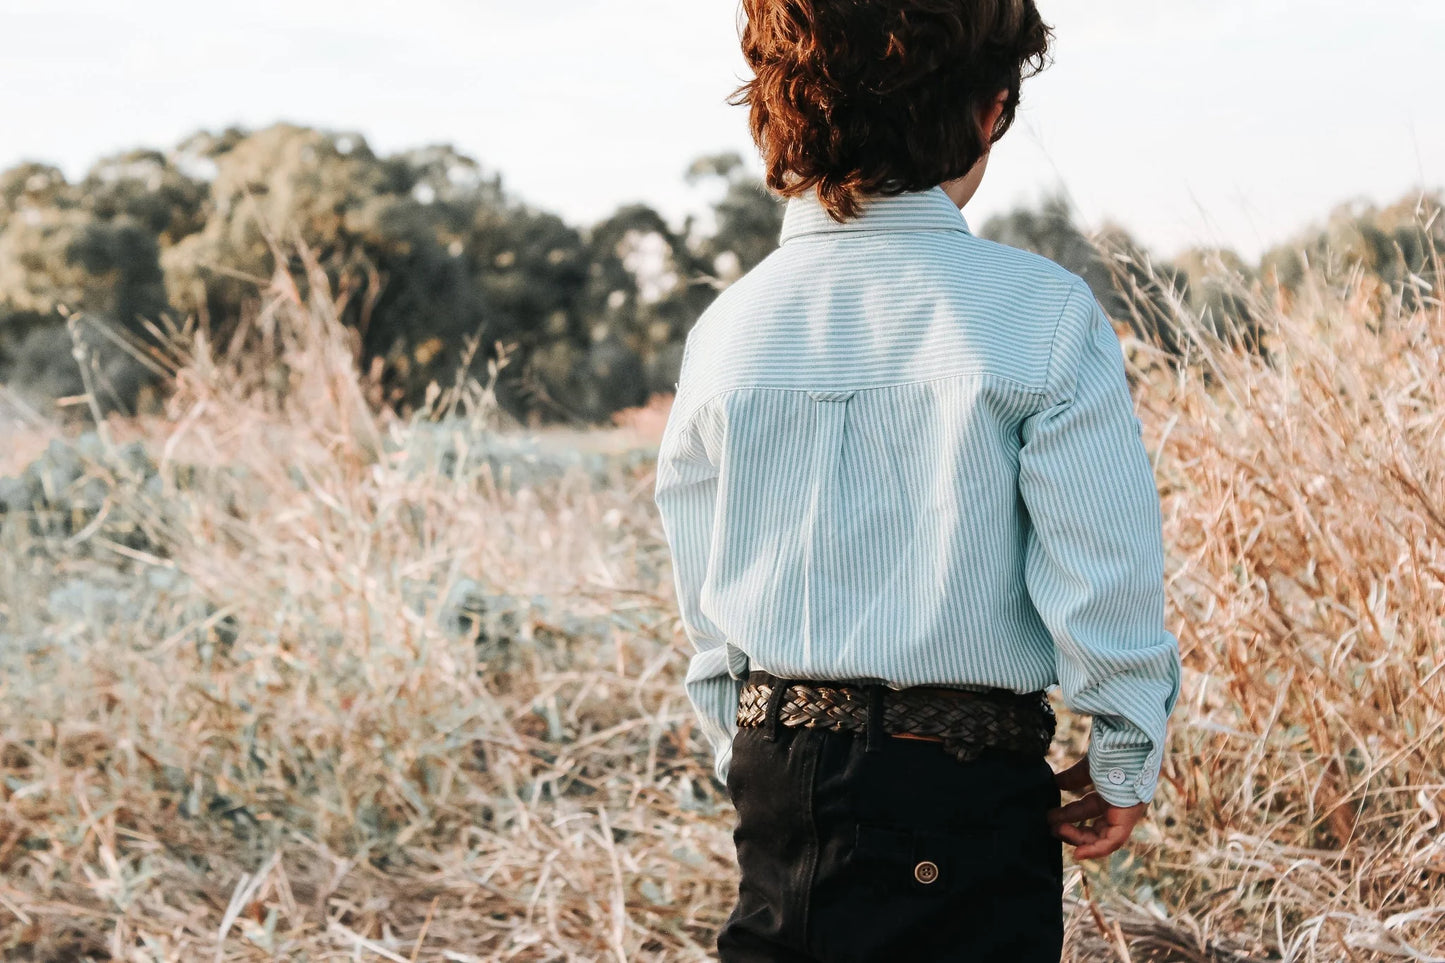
(365, 701)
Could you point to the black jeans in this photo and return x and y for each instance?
(876, 848)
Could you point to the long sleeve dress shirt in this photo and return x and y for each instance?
(902, 453)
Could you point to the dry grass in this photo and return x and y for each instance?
(1305, 512)
(370, 711)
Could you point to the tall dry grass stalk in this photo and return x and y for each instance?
(1304, 499)
(310, 765)
(374, 703)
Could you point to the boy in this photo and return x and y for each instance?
(905, 492)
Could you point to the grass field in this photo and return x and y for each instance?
(284, 679)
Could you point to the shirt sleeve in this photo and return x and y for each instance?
(686, 494)
(1094, 557)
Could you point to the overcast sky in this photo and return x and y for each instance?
(1191, 121)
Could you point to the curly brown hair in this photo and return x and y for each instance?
(858, 97)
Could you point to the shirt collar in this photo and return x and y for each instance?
(927, 210)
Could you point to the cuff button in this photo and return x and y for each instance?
(926, 872)
(1116, 776)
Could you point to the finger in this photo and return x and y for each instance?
(1112, 838)
(1094, 850)
(1076, 835)
(1088, 806)
(1091, 806)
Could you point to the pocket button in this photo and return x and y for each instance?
(926, 871)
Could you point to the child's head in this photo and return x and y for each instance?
(856, 97)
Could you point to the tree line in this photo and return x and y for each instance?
(435, 265)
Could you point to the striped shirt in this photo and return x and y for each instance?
(901, 453)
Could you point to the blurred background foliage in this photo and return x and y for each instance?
(437, 267)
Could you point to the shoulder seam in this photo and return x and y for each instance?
(1054, 338)
(679, 435)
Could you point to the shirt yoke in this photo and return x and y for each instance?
(872, 310)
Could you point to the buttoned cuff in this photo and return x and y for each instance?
(1124, 778)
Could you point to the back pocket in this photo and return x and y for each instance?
(921, 862)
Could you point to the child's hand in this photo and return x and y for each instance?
(1111, 827)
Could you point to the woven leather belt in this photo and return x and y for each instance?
(966, 722)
